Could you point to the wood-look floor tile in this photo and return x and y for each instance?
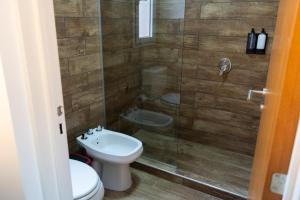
(149, 187)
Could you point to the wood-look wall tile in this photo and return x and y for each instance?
(257, 63)
(81, 27)
(117, 10)
(77, 120)
(185, 122)
(97, 112)
(67, 8)
(187, 98)
(117, 41)
(92, 45)
(95, 79)
(238, 10)
(169, 40)
(70, 47)
(227, 104)
(218, 140)
(170, 10)
(215, 88)
(228, 118)
(74, 84)
(113, 73)
(228, 27)
(188, 110)
(169, 54)
(67, 104)
(85, 98)
(91, 8)
(135, 57)
(117, 26)
(60, 27)
(191, 41)
(112, 58)
(150, 53)
(163, 54)
(222, 44)
(64, 67)
(167, 26)
(237, 76)
(84, 64)
(192, 11)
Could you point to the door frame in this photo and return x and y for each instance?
(31, 73)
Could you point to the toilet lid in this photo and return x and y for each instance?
(84, 179)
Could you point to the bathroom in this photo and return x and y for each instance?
(176, 79)
(209, 125)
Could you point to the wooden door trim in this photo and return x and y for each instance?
(275, 144)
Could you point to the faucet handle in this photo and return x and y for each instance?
(99, 128)
(83, 137)
(90, 132)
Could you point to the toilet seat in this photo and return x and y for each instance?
(85, 181)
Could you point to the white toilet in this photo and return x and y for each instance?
(112, 153)
(86, 183)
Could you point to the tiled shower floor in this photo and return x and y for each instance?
(220, 168)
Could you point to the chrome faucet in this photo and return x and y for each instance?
(99, 128)
(90, 132)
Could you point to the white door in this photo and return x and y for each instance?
(31, 79)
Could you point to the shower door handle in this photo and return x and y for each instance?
(262, 92)
(251, 92)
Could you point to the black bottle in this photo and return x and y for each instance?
(251, 42)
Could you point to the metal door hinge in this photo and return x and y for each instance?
(278, 183)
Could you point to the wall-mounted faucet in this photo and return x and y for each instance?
(224, 66)
(99, 128)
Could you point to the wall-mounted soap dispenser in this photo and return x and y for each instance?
(261, 42)
(251, 42)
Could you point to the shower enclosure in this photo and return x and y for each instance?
(163, 86)
(162, 83)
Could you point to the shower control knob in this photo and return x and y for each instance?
(224, 66)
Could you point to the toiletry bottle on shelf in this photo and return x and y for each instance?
(261, 42)
(251, 42)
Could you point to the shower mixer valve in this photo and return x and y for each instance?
(224, 66)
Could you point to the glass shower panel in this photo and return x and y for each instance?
(142, 55)
(162, 83)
